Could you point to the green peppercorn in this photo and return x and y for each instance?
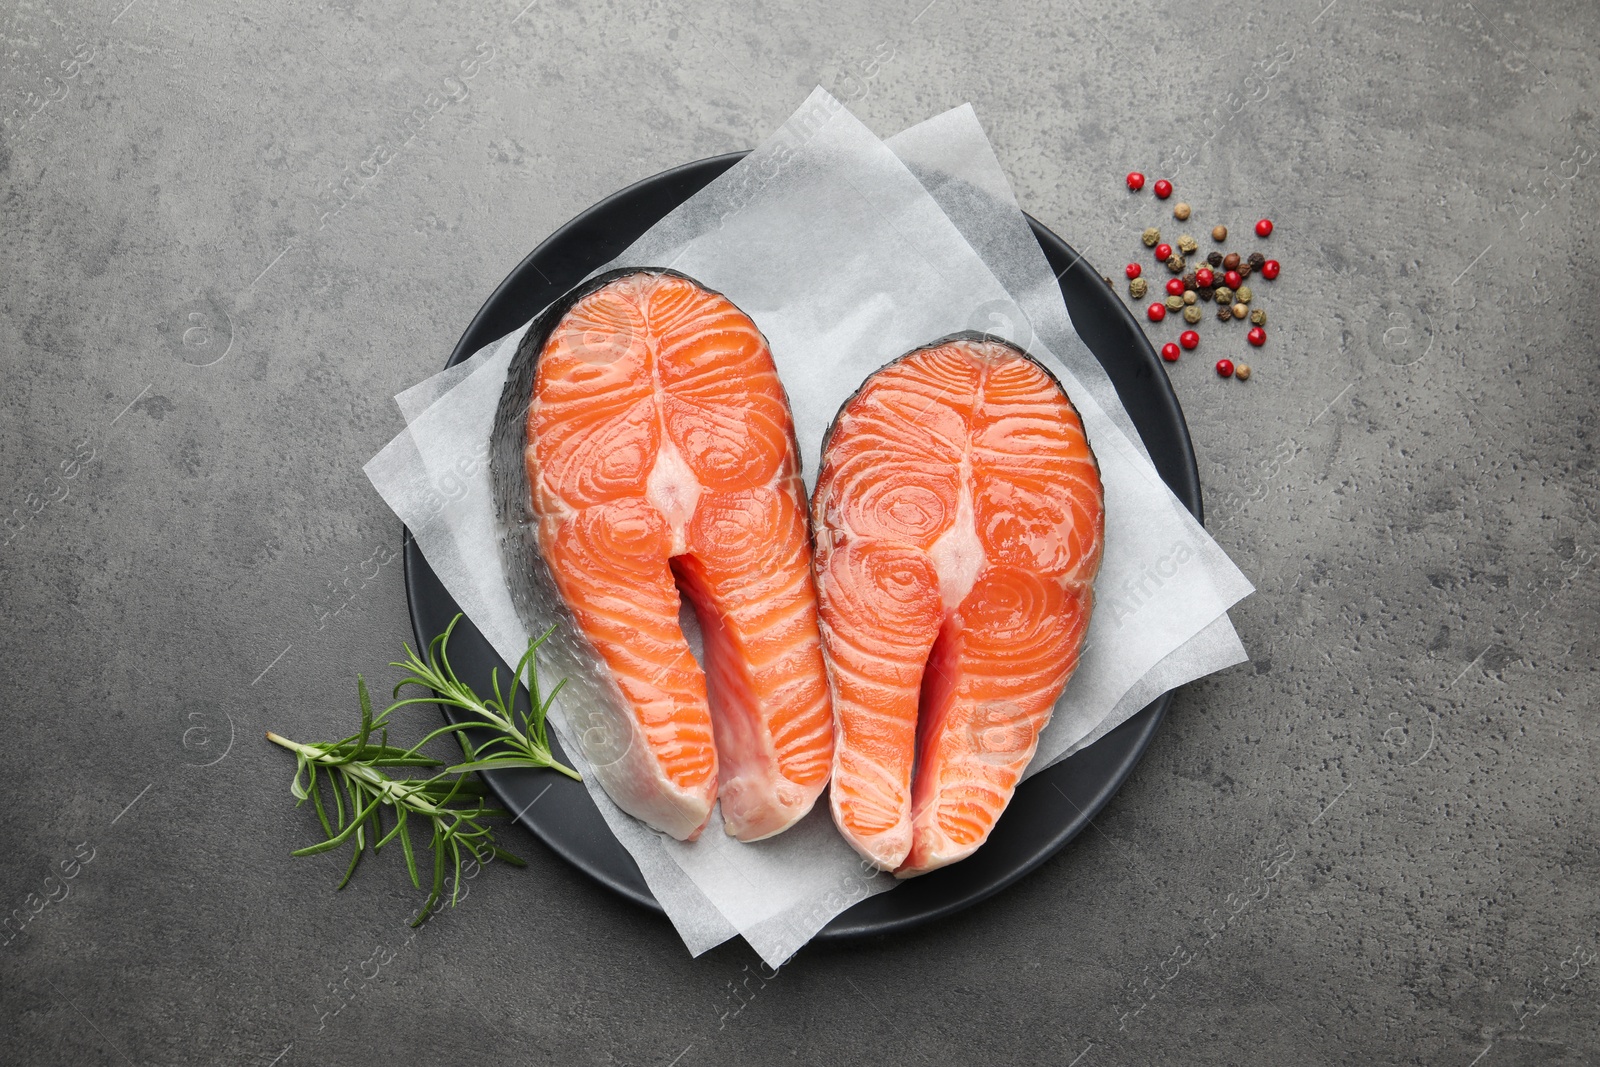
(1191, 314)
(1188, 245)
(1244, 294)
(1240, 311)
(1224, 295)
(1190, 296)
(1151, 237)
(1175, 263)
(1258, 317)
(1174, 303)
(1137, 288)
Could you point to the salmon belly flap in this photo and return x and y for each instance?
(661, 457)
(959, 520)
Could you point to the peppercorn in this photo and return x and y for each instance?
(1163, 250)
(1174, 303)
(1135, 181)
(1204, 278)
(1224, 312)
(1206, 292)
(1189, 339)
(1164, 190)
(1219, 233)
(1190, 296)
(1224, 295)
(1214, 258)
(1243, 295)
(1180, 211)
(1132, 270)
(1170, 352)
(1230, 261)
(1174, 286)
(1269, 269)
(1256, 259)
(1264, 228)
(1225, 368)
(1156, 312)
(1107, 279)
(1191, 314)
(1258, 317)
(1257, 336)
(1188, 245)
(1137, 288)
(1242, 372)
(1240, 311)
(1175, 263)
(1150, 237)
(1245, 269)
(1232, 279)
(1189, 279)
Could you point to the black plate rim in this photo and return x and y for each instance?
(1139, 728)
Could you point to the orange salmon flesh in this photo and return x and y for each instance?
(959, 520)
(661, 457)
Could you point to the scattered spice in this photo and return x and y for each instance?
(1242, 372)
(1224, 312)
(1232, 279)
(1150, 237)
(1257, 336)
(1174, 286)
(1164, 190)
(1230, 261)
(1225, 368)
(1189, 279)
(1189, 339)
(1191, 314)
(1135, 181)
(1156, 312)
(1219, 233)
(1137, 288)
(1180, 211)
(1269, 269)
(1188, 245)
(1190, 296)
(1214, 258)
(1256, 259)
(1224, 295)
(1175, 263)
(1203, 278)
(1170, 352)
(1163, 251)
(1258, 317)
(1206, 292)
(1244, 294)
(1174, 303)
(1107, 279)
(1245, 269)
(1264, 228)
(1240, 311)
(1132, 270)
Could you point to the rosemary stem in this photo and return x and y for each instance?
(396, 792)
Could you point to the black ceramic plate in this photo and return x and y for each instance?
(1050, 808)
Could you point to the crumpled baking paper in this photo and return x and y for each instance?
(845, 260)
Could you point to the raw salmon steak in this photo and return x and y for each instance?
(959, 519)
(661, 457)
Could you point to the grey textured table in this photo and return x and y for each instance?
(201, 336)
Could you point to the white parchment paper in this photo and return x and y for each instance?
(845, 261)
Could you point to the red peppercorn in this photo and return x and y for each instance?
(1135, 181)
(1174, 286)
(1132, 270)
(1269, 269)
(1169, 352)
(1163, 188)
(1204, 278)
(1257, 336)
(1264, 228)
(1225, 368)
(1156, 311)
(1232, 279)
(1189, 339)
(1163, 252)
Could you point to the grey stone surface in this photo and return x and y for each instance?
(196, 366)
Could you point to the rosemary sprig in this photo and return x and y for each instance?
(353, 772)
